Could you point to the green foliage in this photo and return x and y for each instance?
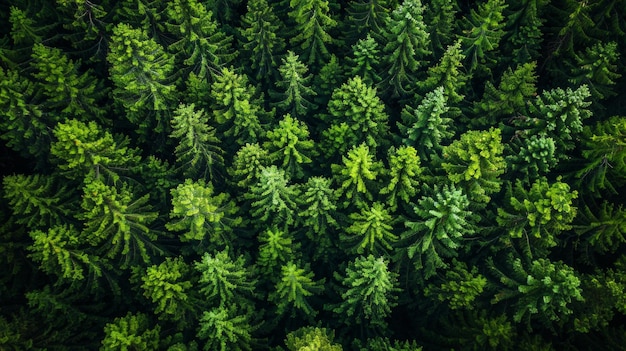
(262, 41)
(443, 219)
(426, 128)
(370, 231)
(448, 73)
(294, 289)
(198, 40)
(367, 16)
(604, 154)
(404, 172)
(201, 214)
(318, 207)
(538, 215)
(167, 287)
(223, 279)
(24, 29)
(117, 223)
(131, 332)
(365, 60)
(602, 227)
(248, 163)
(538, 287)
(273, 199)
(312, 338)
(313, 23)
(475, 162)
(276, 249)
(407, 46)
(356, 175)
(36, 200)
(484, 28)
(235, 107)
(226, 329)
(440, 17)
(515, 89)
(289, 144)
(66, 89)
(198, 152)
(524, 23)
(369, 289)
(460, 287)
(533, 157)
(141, 72)
(294, 90)
(356, 103)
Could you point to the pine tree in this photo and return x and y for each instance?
(37, 201)
(427, 128)
(294, 92)
(312, 26)
(475, 162)
(484, 29)
(142, 73)
(118, 223)
(524, 30)
(369, 292)
(318, 211)
(224, 281)
(276, 249)
(225, 328)
(443, 220)
(202, 215)
(198, 152)
(356, 175)
(146, 14)
(449, 74)
(86, 23)
(273, 199)
(602, 227)
(541, 287)
(247, 164)
(460, 287)
(440, 18)
(131, 332)
(24, 29)
(67, 91)
(289, 144)
(312, 338)
(407, 47)
(531, 157)
(370, 231)
(404, 172)
(365, 60)
(366, 16)
(294, 290)
(262, 41)
(86, 151)
(597, 68)
(236, 108)
(198, 40)
(356, 103)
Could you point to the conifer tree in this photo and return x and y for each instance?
(369, 292)
(276, 249)
(312, 26)
(532, 157)
(224, 281)
(86, 151)
(484, 29)
(312, 338)
(524, 24)
(294, 94)
(273, 199)
(294, 290)
(141, 71)
(248, 163)
(370, 231)
(443, 219)
(404, 172)
(290, 145)
(198, 40)
(449, 74)
(37, 201)
(427, 128)
(365, 60)
(597, 68)
(67, 91)
(356, 175)
(602, 227)
(318, 211)
(198, 152)
(131, 332)
(202, 215)
(475, 162)
(407, 46)
(262, 40)
(226, 328)
(24, 29)
(541, 287)
(366, 16)
(440, 18)
(117, 222)
(146, 14)
(86, 22)
(357, 103)
(236, 108)
(460, 287)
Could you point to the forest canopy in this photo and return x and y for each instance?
(312, 175)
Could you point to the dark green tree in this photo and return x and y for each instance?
(313, 23)
(404, 173)
(224, 281)
(370, 231)
(289, 145)
(524, 30)
(273, 199)
(443, 219)
(365, 60)
(198, 153)
(484, 29)
(601, 227)
(247, 164)
(131, 332)
(366, 16)
(440, 18)
(460, 287)
(276, 249)
(407, 46)
(597, 68)
(318, 212)
(294, 290)
(449, 74)
(294, 93)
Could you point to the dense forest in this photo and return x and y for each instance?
(312, 175)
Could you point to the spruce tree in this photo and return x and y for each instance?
(294, 290)
(289, 145)
(370, 231)
(404, 173)
(311, 33)
(294, 94)
(224, 281)
(273, 199)
(365, 60)
(356, 175)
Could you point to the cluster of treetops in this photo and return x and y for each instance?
(312, 175)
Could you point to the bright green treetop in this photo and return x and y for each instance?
(312, 338)
(404, 172)
(273, 199)
(294, 288)
(225, 328)
(131, 332)
(248, 163)
(290, 145)
(224, 281)
(370, 231)
(356, 176)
